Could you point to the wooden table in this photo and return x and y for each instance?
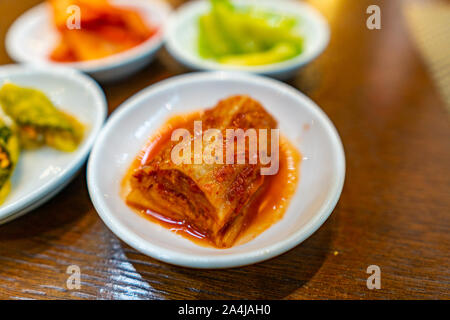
(393, 212)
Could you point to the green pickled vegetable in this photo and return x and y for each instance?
(247, 36)
(39, 122)
(9, 155)
(280, 52)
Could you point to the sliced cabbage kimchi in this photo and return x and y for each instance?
(212, 198)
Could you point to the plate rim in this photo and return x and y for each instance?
(72, 168)
(226, 260)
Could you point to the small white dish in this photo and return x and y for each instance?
(182, 36)
(32, 37)
(133, 123)
(42, 173)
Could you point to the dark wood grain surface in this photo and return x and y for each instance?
(393, 212)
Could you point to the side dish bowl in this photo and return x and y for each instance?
(128, 129)
(32, 37)
(43, 172)
(182, 37)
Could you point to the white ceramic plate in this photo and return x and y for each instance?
(32, 37)
(131, 125)
(41, 173)
(182, 36)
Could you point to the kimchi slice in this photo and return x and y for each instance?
(212, 198)
(104, 29)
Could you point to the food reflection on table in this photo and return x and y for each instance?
(105, 30)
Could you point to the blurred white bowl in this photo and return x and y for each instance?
(130, 126)
(42, 173)
(32, 37)
(182, 36)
